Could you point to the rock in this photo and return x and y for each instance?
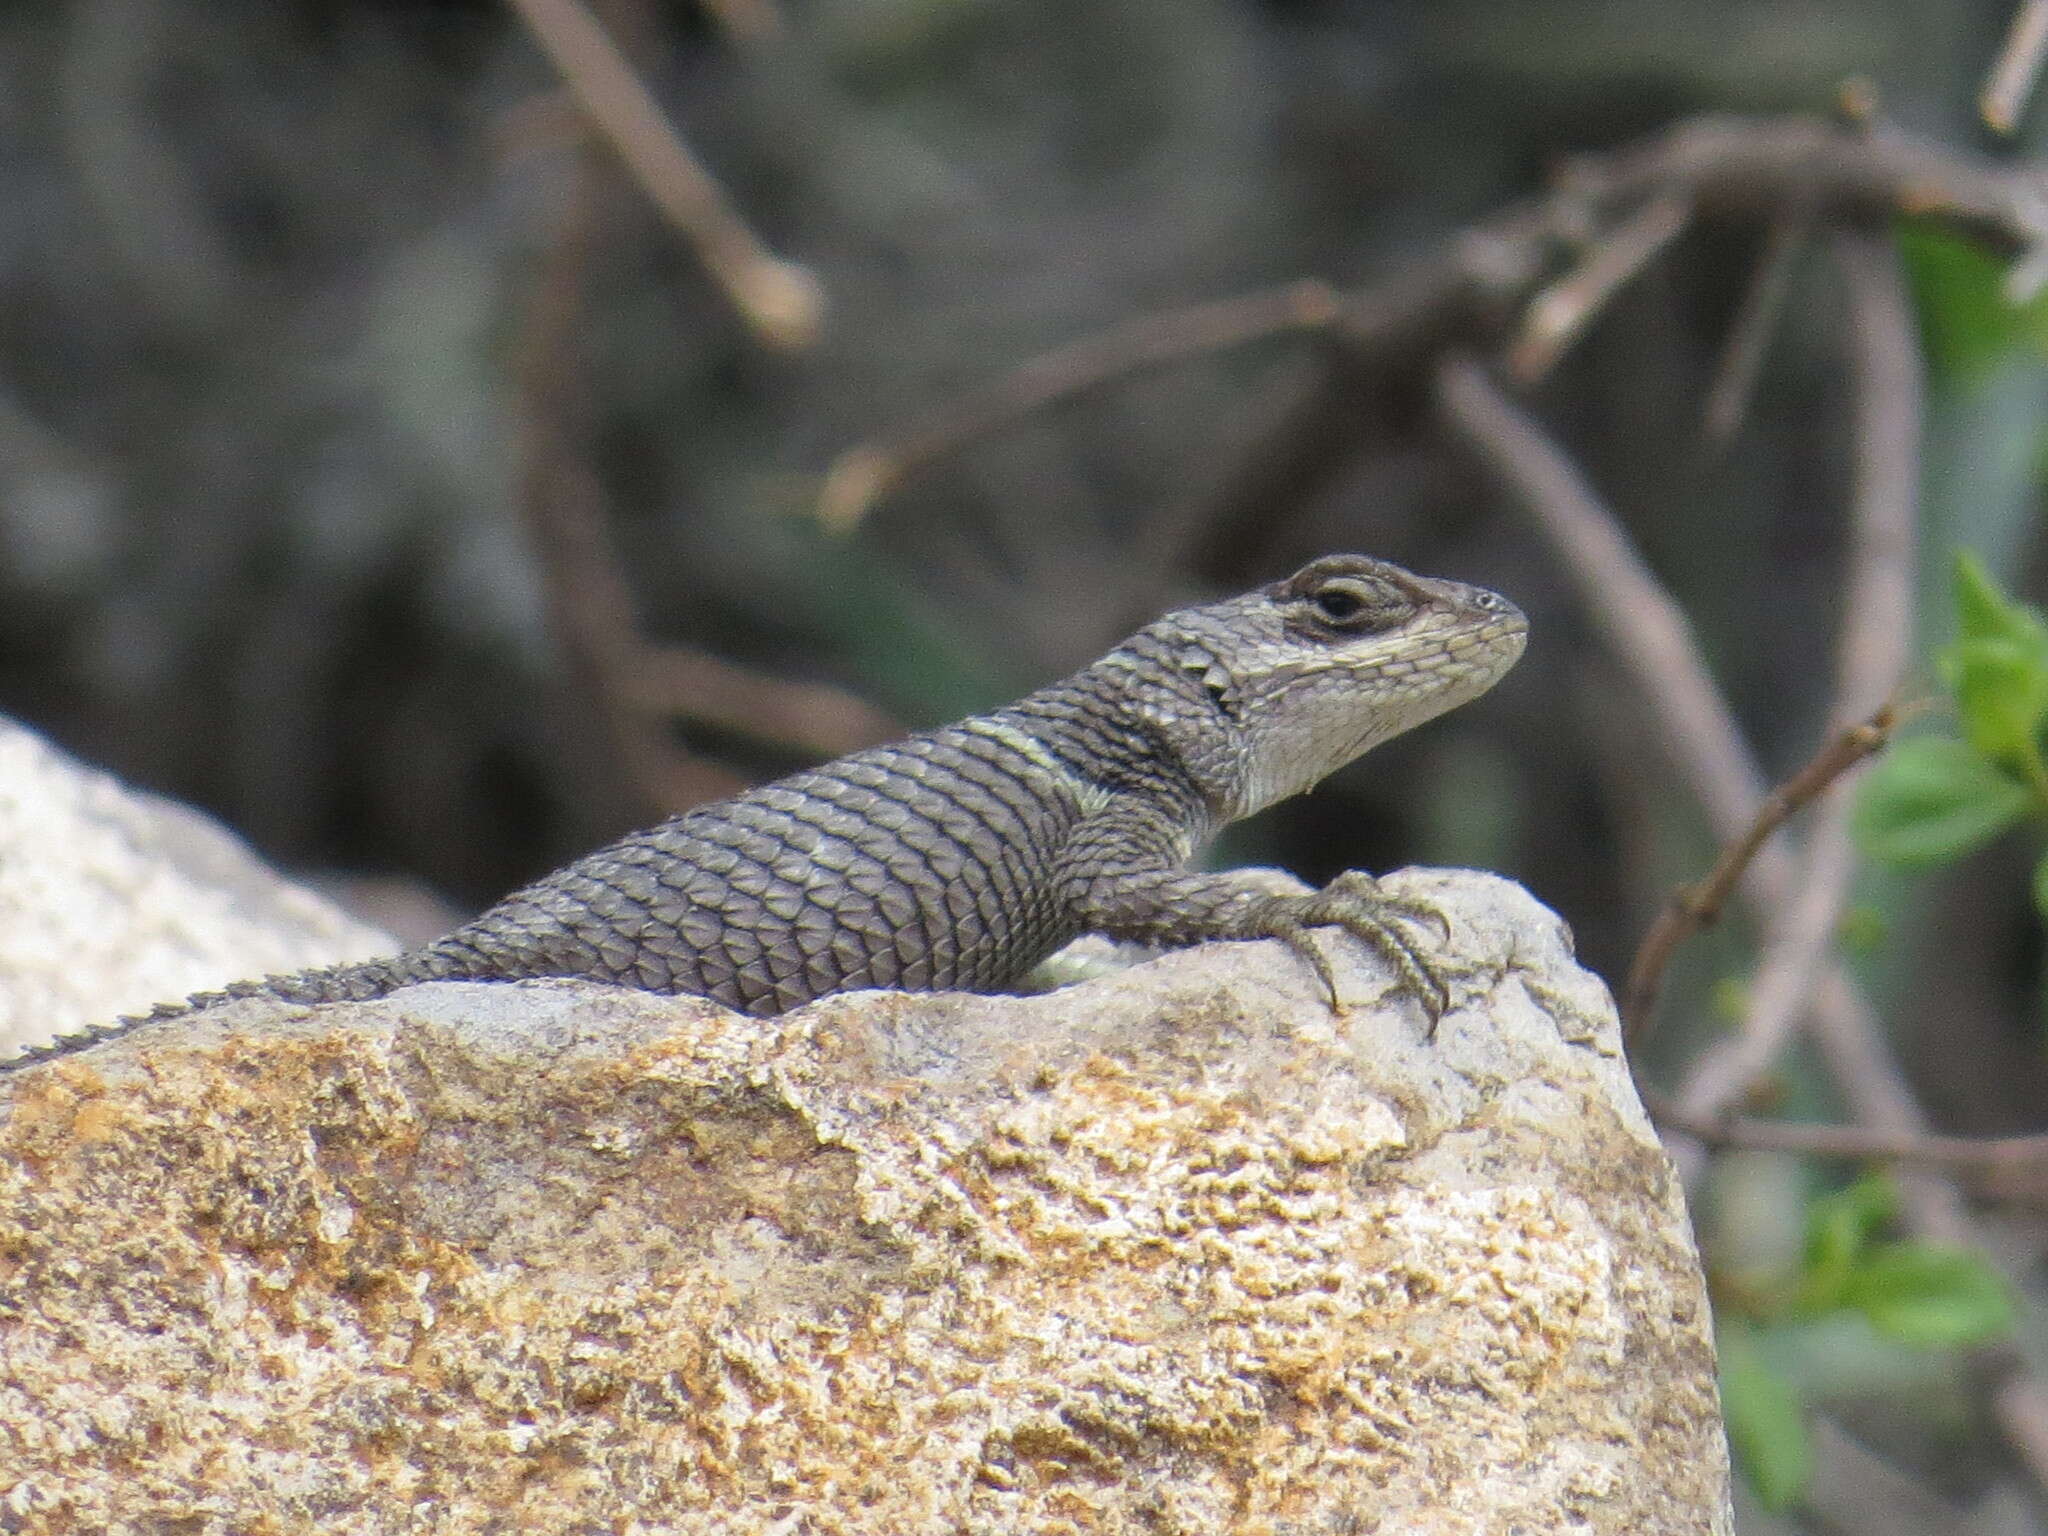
(1174, 1251)
(111, 900)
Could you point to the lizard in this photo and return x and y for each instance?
(960, 857)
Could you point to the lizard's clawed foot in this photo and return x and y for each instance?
(1355, 902)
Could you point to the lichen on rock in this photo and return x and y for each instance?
(1176, 1250)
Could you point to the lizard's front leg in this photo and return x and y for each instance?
(1121, 875)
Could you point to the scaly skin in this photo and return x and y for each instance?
(961, 857)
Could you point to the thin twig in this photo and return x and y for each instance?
(779, 299)
(1876, 642)
(1476, 283)
(1763, 300)
(1872, 654)
(1561, 312)
(1840, 171)
(1643, 626)
(1845, 1031)
(863, 474)
(1983, 1153)
(2012, 77)
(1877, 634)
(1463, 296)
(813, 718)
(1700, 904)
(588, 598)
(1359, 379)
(2020, 1400)
(635, 688)
(1647, 633)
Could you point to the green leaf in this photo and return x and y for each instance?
(2001, 693)
(1921, 1294)
(1838, 1228)
(1984, 611)
(1959, 291)
(1931, 799)
(1766, 1421)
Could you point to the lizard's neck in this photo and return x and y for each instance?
(1121, 727)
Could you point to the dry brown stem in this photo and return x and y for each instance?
(1624, 206)
(1872, 654)
(1701, 735)
(1841, 173)
(813, 718)
(746, 21)
(1560, 313)
(780, 300)
(1763, 301)
(1700, 904)
(2005, 1155)
(862, 475)
(1647, 633)
(590, 612)
(1644, 627)
(2012, 76)
(636, 689)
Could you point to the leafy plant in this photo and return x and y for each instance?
(1968, 319)
(1931, 799)
(1918, 1295)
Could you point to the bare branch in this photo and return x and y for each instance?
(2002, 1154)
(863, 474)
(1649, 637)
(1848, 1037)
(2021, 1402)
(635, 689)
(1643, 626)
(1876, 641)
(1466, 294)
(779, 299)
(589, 603)
(815, 718)
(1699, 905)
(1877, 629)
(2012, 77)
(1560, 313)
(1762, 302)
(1761, 166)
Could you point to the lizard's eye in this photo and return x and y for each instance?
(1350, 605)
(1339, 605)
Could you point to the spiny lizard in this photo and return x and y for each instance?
(963, 856)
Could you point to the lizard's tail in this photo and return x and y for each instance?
(357, 981)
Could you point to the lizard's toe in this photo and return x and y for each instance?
(1354, 903)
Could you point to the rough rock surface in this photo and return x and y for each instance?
(1174, 1251)
(112, 900)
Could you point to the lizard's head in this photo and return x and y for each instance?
(1285, 685)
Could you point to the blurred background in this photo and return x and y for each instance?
(384, 472)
